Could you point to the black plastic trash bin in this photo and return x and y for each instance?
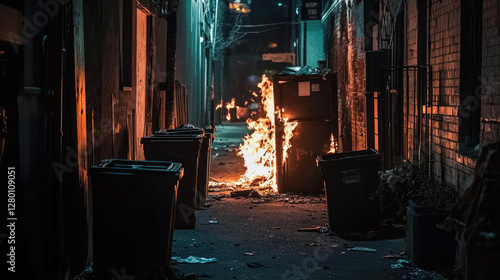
(425, 244)
(351, 180)
(204, 159)
(204, 165)
(183, 148)
(133, 208)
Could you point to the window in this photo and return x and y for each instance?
(469, 112)
(126, 22)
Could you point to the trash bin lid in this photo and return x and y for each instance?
(147, 167)
(183, 129)
(173, 137)
(356, 155)
(302, 71)
(210, 132)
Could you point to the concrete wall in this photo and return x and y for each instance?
(121, 111)
(193, 65)
(314, 50)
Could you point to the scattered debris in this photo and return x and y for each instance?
(401, 264)
(213, 179)
(419, 274)
(256, 265)
(315, 244)
(230, 148)
(362, 249)
(245, 193)
(408, 181)
(214, 186)
(193, 259)
(314, 229)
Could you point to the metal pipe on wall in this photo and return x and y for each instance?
(429, 103)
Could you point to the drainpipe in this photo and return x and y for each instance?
(214, 44)
(171, 60)
(429, 103)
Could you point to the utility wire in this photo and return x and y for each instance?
(261, 31)
(263, 25)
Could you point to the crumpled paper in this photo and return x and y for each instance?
(193, 259)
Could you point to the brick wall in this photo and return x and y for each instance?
(451, 165)
(440, 122)
(409, 94)
(490, 76)
(345, 52)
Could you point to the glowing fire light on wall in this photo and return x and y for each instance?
(218, 106)
(333, 145)
(229, 106)
(259, 148)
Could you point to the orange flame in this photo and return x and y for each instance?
(287, 135)
(258, 149)
(218, 106)
(333, 145)
(229, 106)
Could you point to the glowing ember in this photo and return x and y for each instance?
(229, 106)
(333, 145)
(218, 106)
(259, 149)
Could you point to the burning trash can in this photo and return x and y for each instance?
(309, 98)
(183, 147)
(351, 180)
(133, 208)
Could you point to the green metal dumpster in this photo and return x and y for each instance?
(133, 208)
(351, 180)
(185, 149)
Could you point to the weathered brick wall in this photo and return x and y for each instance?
(345, 51)
(450, 165)
(439, 122)
(409, 94)
(490, 82)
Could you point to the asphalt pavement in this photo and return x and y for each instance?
(274, 237)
